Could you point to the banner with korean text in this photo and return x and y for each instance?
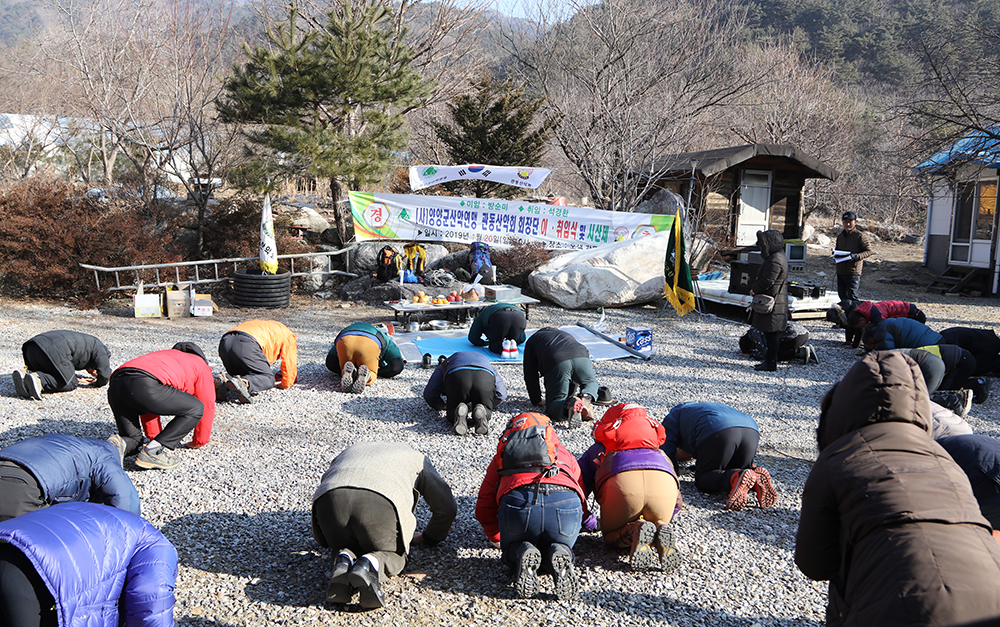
(422, 176)
(500, 222)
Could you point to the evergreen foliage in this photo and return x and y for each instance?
(494, 125)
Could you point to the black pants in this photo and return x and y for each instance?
(37, 361)
(506, 324)
(24, 599)
(20, 492)
(958, 377)
(468, 385)
(772, 340)
(242, 356)
(362, 522)
(133, 393)
(721, 453)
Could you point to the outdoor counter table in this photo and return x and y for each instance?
(408, 309)
(717, 291)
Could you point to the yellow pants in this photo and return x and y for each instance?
(360, 351)
(627, 496)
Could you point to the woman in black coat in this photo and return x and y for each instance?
(772, 279)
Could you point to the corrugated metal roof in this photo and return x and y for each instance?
(976, 148)
(712, 162)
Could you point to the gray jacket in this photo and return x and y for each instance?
(401, 475)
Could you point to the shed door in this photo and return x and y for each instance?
(755, 200)
(972, 223)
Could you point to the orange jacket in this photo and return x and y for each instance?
(277, 343)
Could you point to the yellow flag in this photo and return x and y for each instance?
(678, 288)
(268, 248)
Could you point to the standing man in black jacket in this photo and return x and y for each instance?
(53, 358)
(561, 361)
(853, 241)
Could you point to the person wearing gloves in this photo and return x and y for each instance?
(52, 360)
(85, 564)
(853, 241)
(562, 362)
(899, 333)
(468, 388)
(499, 322)
(723, 441)
(772, 280)
(636, 486)
(361, 354)
(534, 514)
(175, 382)
(363, 511)
(887, 516)
(56, 468)
(248, 350)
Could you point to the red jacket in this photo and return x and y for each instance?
(187, 373)
(495, 486)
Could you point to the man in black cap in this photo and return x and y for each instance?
(853, 241)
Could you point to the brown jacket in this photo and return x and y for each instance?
(859, 244)
(887, 516)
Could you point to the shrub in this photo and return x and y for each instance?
(49, 229)
(234, 231)
(515, 263)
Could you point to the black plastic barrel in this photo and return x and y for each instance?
(254, 289)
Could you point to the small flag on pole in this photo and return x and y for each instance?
(678, 287)
(268, 247)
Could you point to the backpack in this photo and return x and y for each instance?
(479, 258)
(627, 426)
(416, 257)
(528, 444)
(388, 264)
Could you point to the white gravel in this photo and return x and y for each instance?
(238, 510)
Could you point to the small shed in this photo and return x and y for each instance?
(743, 189)
(961, 243)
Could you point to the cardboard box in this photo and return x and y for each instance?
(639, 338)
(201, 305)
(147, 305)
(176, 303)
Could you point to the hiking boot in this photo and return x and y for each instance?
(19, 384)
(481, 419)
(239, 387)
(347, 376)
(588, 407)
(564, 580)
(764, 488)
(641, 555)
(121, 446)
(573, 411)
(666, 550)
(980, 390)
(160, 458)
(461, 419)
(340, 590)
(364, 578)
(33, 385)
(740, 484)
(527, 559)
(766, 366)
(360, 380)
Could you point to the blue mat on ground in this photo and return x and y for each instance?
(447, 343)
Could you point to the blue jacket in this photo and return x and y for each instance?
(434, 392)
(689, 424)
(904, 333)
(91, 555)
(75, 469)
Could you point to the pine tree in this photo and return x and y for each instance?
(493, 126)
(324, 101)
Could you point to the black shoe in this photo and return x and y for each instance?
(427, 360)
(239, 387)
(980, 390)
(461, 419)
(442, 359)
(365, 579)
(340, 590)
(481, 419)
(564, 580)
(766, 366)
(529, 558)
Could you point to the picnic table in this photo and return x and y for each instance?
(460, 310)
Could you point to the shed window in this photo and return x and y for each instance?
(975, 207)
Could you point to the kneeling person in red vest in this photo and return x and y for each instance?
(635, 485)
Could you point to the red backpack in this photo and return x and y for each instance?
(528, 444)
(627, 426)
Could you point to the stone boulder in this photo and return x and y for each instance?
(369, 290)
(613, 275)
(309, 219)
(364, 255)
(663, 202)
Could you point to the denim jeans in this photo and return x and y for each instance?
(541, 519)
(848, 286)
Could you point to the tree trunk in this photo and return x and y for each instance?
(339, 219)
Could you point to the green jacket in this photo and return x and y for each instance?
(389, 349)
(481, 325)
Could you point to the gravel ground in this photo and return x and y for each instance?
(238, 510)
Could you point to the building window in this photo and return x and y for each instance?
(975, 206)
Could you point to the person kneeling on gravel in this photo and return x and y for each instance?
(364, 507)
(468, 388)
(499, 322)
(562, 362)
(531, 506)
(175, 382)
(361, 354)
(51, 360)
(635, 485)
(723, 441)
(248, 351)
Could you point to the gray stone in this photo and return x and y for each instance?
(364, 256)
(613, 275)
(308, 219)
(663, 202)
